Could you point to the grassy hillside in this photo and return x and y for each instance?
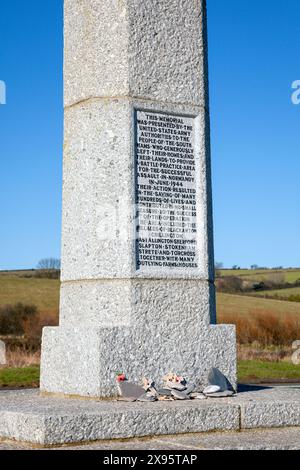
(290, 275)
(283, 293)
(242, 305)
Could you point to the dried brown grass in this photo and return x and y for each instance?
(25, 350)
(261, 336)
(255, 352)
(22, 358)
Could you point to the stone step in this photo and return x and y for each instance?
(27, 416)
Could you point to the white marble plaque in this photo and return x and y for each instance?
(165, 192)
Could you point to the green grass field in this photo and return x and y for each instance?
(286, 293)
(290, 275)
(20, 377)
(237, 305)
(241, 272)
(252, 371)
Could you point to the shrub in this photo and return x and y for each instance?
(229, 284)
(293, 298)
(47, 274)
(258, 286)
(265, 328)
(42, 321)
(26, 338)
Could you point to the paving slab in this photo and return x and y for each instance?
(258, 439)
(26, 416)
(269, 407)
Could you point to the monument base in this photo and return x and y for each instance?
(69, 367)
(26, 416)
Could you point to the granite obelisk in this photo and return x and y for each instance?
(137, 291)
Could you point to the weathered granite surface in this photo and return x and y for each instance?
(99, 192)
(141, 48)
(27, 416)
(270, 407)
(69, 366)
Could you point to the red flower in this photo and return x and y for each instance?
(121, 378)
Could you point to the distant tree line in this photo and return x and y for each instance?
(48, 268)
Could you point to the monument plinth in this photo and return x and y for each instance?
(137, 291)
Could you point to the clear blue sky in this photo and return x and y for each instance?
(254, 48)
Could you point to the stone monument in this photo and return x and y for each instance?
(137, 292)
